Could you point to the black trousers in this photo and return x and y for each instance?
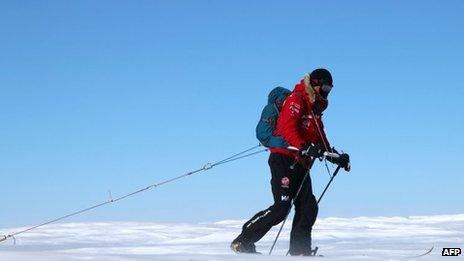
(285, 183)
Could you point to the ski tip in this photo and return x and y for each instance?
(424, 254)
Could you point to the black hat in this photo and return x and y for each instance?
(320, 76)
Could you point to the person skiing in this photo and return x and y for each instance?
(300, 125)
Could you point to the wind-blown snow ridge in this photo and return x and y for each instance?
(338, 238)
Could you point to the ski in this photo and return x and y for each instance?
(424, 254)
(428, 251)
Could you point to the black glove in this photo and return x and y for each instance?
(311, 150)
(343, 160)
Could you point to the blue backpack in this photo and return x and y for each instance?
(268, 120)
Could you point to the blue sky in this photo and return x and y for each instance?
(116, 95)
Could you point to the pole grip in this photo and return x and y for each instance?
(332, 155)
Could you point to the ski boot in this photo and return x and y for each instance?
(241, 247)
(312, 252)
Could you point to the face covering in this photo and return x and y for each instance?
(325, 90)
(324, 94)
(320, 104)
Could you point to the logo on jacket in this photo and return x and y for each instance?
(294, 108)
(285, 182)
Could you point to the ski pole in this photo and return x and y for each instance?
(328, 184)
(326, 154)
(291, 205)
(320, 197)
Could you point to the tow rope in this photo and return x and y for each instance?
(243, 154)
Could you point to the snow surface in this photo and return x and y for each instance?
(361, 238)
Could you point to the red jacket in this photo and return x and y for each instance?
(297, 123)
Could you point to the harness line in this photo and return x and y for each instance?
(207, 166)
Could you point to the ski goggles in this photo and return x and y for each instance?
(326, 88)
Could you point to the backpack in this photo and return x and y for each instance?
(268, 120)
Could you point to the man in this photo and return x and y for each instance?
(300, 125)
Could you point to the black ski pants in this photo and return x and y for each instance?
(285, 183)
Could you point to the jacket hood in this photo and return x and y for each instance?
(319, 106)
(300, 87)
